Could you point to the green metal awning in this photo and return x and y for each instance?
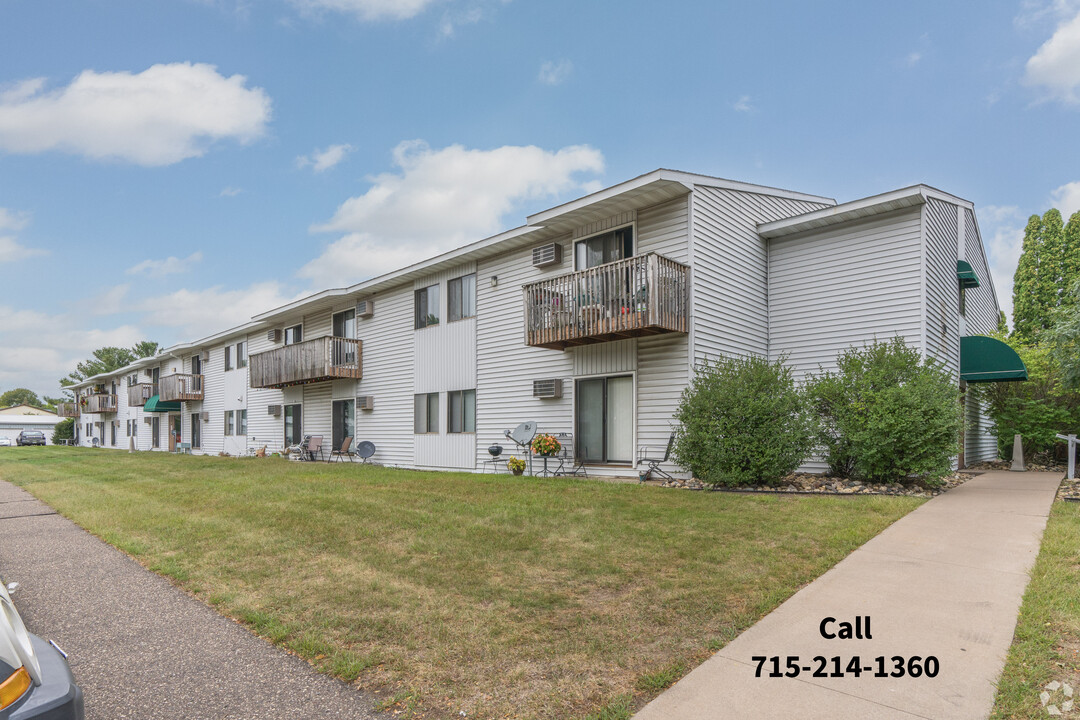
(154, 404)
(967, 276)
(984, 359)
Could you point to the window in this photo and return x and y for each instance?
(241, 354)
(229, 422)
(294, 431)
(344, 425)
(155, 432)
(427, 306)
(294, 334)
(461, 411)
(228, 357)
(196, 430)
(345, 323)
(241, 422)
(196, 364)
(604, 411)
(604, 248)
(112, 432)
(461, 295)
(426, 413)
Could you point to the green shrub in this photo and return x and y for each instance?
(885, 414)
(742, 422)
(63, 430)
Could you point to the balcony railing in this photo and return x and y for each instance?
(67, 410)
(180, 386)
(100, 403)
(139, 393)
(642, 295)
(325, 358)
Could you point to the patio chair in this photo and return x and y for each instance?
(567, 456)
(343, 451)
(365, 450)
(314, 447)
(299, 450)
(651, 455)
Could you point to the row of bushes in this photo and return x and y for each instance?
(883, 415)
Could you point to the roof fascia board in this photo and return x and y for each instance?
(795, 223)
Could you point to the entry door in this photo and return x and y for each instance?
(177, 433)
(605, 419)
(294, 434)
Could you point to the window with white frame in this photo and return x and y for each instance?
(241, 354)
(604, 248)
(229, 415)
(461, 297)
(427, 306)
(426, 413)
(228, 357)
(294, 334)
(461, 411)
(241, 422)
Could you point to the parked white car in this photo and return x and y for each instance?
(5, 441)
(35, 680)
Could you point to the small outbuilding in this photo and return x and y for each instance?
(15, 419)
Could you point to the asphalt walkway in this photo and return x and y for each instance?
(944, 581)
(140, 648)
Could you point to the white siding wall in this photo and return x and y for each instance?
(942, 286)
(730, 269)
(845, 285)
(387, 339)
(263, 428)
(981, 318)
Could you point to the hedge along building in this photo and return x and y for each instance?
(590, 320)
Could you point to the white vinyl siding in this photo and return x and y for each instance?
(942, 285)
(982, 306)
(845, 285)
(730, 274)
(387, 339)
(264, 429)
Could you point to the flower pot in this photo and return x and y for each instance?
(518, 471)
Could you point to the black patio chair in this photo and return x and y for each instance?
(651, 456)
(568, 457)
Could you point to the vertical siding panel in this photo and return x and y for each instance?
(942, 287)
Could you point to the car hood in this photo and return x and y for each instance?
(16, 649)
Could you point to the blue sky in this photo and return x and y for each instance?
(169, 168)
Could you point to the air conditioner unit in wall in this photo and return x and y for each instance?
(205, 416)
(274, 410)
(148, 420)
(365, 308)
(365, 402)
(205, 356)
(274, 335)
(551, 388)
(544, 255)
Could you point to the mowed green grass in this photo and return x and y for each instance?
(1046, 646)
(443, 592)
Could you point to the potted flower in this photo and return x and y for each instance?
(546, 445)
(516, 465)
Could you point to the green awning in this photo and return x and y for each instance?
(967, 276)
(984, 359)
(154, 404)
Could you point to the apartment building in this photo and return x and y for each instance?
(589, 320)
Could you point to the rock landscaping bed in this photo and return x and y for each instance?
(1069, 490)
(827, 485)
(1007, 464)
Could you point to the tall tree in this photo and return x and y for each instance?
(1070, 258)
(1041, 280)
(146, 348)
(1064, 338)
(20, 396)
(1003, 325)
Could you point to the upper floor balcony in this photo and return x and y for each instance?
(98, 403)
(324, 358)
(180, 386)
(641, 295)
(67, 410)
(139, 393)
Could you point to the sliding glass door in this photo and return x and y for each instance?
(605, 419)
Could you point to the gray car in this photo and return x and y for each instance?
(35, 680)
(30, 437)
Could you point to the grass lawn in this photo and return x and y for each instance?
(1046, 646)
(499, 596)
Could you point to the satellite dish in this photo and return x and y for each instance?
(365, 449)
(524, 433)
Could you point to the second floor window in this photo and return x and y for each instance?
(294, 334)
(241, 354)
(604, 248)
(427, 306)
(196, 365)
(228, 357)
(461, 297)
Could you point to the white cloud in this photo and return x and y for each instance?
(11, 220)
(320, 160)
(1067, 199)
(367, 9)
(169, 266)
(198, 313)
(1056, 65)
(1004, 226)
(744, 104)
(10, 248)
(230, 191)
(110, 302)
(441, 199)
(913, 58)
(555, 73)
(453, 19)
(163, 115)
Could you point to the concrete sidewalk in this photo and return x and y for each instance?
(946, 580)
(142, 649)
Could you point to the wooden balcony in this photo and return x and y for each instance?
(180, 386)
(99, 403)
(642, 295)
(67, 410)
(139, 393)
(324, 358)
